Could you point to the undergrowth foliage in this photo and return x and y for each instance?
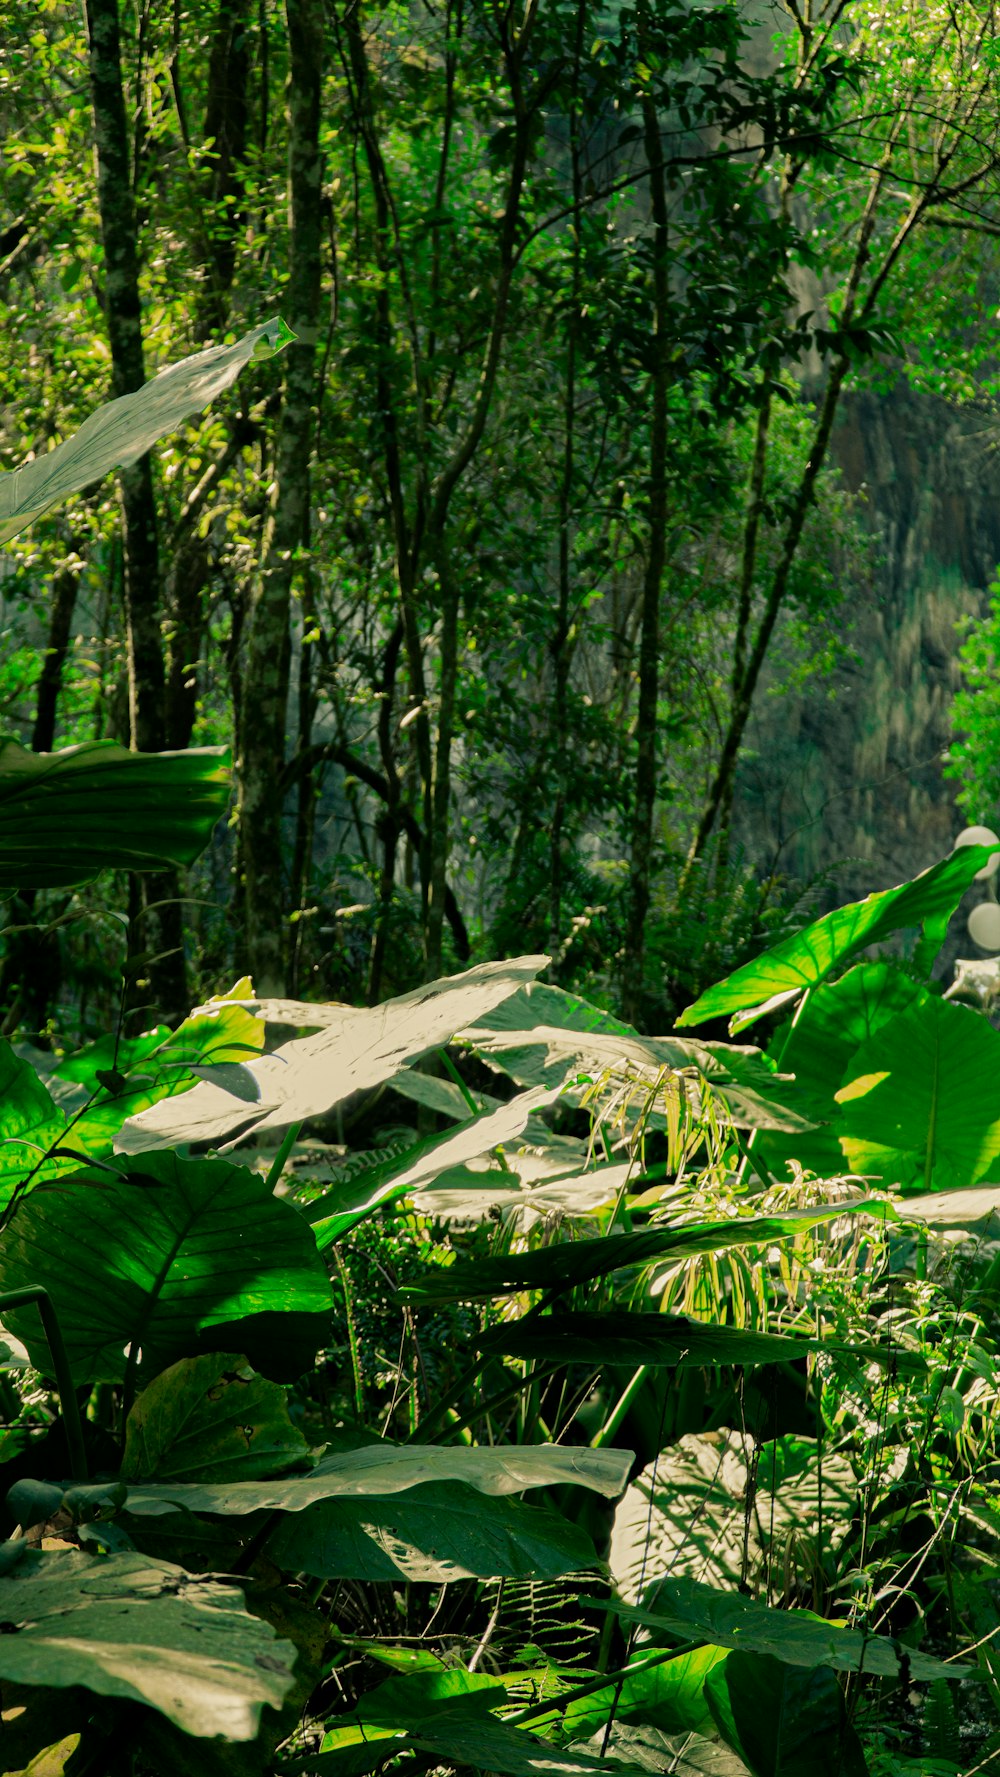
(639, 1417)
(602, 1401)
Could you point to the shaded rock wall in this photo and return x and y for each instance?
(848, 774)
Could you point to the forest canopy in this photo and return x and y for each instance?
(480, 578)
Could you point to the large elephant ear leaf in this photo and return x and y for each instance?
(807, 958)
(173, 1258)
(66, 816)
(921, 1103)
(131, 1627)
(350, 1049)
(836, 1020)
(122, 431)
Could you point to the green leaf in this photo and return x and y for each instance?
(833, 1024)
(666, 1340)
(30, 1122)
(806, 959)
(122, 431)
(688, 1514)
(921, 1103)
(214, 1034)
(211, 1418)
(466, 1195)
(518, 1042)
(126, 1626)
(112, 810)
(399, 1177)
(447, 1715)
(694, 1612)
(351, 1050)
(437, 1532)
(384, 1469)
(562, 1267)
(196, 1255)
(679, 1755)
(784, 1722)
(670, 1697)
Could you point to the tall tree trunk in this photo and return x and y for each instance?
(162, 935)
(560, 645)
(31, 966)
(226, 118)
(649, 641)
(265, 679)
(64, 591)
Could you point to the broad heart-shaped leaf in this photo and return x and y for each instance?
(542, 1036)
(694, 1612)
(922, 1101)
(808, 957)
(686, 1513)
(122, 431)
(342, 1207)
(30, 1122)
(210, 1418)
(169, 1257)
(126, 1626)
(438, 1532)
(784, 1722)
(680, 1755)
(380, 1470)
(66, 816)
(155, 1067)
(833, 1024)
(354, 1049)
(562, 1266)
(447, 1714)
(670, 1697)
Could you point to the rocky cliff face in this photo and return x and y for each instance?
(848, 774)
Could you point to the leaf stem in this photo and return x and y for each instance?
(38, 1297)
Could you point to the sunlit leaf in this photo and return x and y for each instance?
(210, 1418)
(354, 1049)
(693, 1611)
(562, 1266)
(921, 1103)
(130, 1627)
(168, 1258)
(808, 957)
(383, 1469)
(436, 1532)
(122, 431)
(112, 810)
(687, 1514)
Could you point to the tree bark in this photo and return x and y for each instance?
(560, 644)
(266, 675)
(64, 591)
(226, 118)
(649, 642)
(162, 933)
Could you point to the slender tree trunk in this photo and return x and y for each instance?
(226, 117)
(561, 652)
(390, 824)
(265, 679)
(720, 794)
(305, 811)
(652, 589)
(162, 933)
(123, 317)
(441, 800)
(64, 591)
